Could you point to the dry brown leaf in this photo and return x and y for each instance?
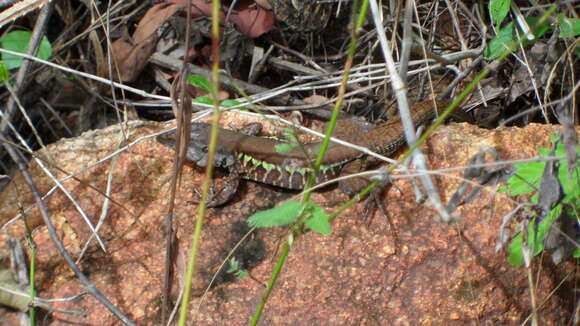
(152, 19)
(120, 51)
(131, 56)
(251, 20)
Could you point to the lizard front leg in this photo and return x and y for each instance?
(226, 193)
(226, 159)
(223, 159)
(197, 152)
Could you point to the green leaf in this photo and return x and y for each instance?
(229, 103)
(527, 178)
(319, 220)
(544, 227)
(538, 30)
(4, 73)
(529, 175)
(236, 269)
(506, 37)
(286, 147)
(569, 27)
(241, 274)
(502, 41)
(543, 151)
(199, 81)
(203, 100)
(516, 256)
(17, 41)
(569, 183)
(234, 265)
(280, 215)
(498, 9)
(290, 135)
(535, 238)
(576, 253)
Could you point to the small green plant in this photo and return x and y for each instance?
(506, 35)
(18, 41)
(527, 180)
(291, 143)
(202, 82)
(498, 10)
(316, 219)
(4, 73)
(236, 269)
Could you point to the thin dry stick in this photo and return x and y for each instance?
(455, 22)
(106, 203)
(14, 97)
(19, 9)
(407, 42)
(56, 116)
(56, 181)
(111, 73)
(201, 209)
(91, 288)
(86, 75)
(22, 75)
(401, 93)
(183, 111)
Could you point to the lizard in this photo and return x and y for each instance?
(256, 158)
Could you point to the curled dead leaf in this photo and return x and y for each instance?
(131, 56)
(251, 20)
(153, 19)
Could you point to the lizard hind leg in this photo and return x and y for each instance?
(373, 202)
(225, 159)
(223, 195)
(226, 193)
(355, 185)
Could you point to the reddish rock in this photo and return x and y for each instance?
(426, 272)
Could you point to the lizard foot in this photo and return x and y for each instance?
(223, 195)
(373, 202)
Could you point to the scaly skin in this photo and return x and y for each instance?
(255, 158)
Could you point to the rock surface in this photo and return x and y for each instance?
(422, 272)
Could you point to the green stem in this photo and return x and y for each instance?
(299, 227)
(196, 241)
(470, 87)
(32, 273)
(335, 112)
(275, 273)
